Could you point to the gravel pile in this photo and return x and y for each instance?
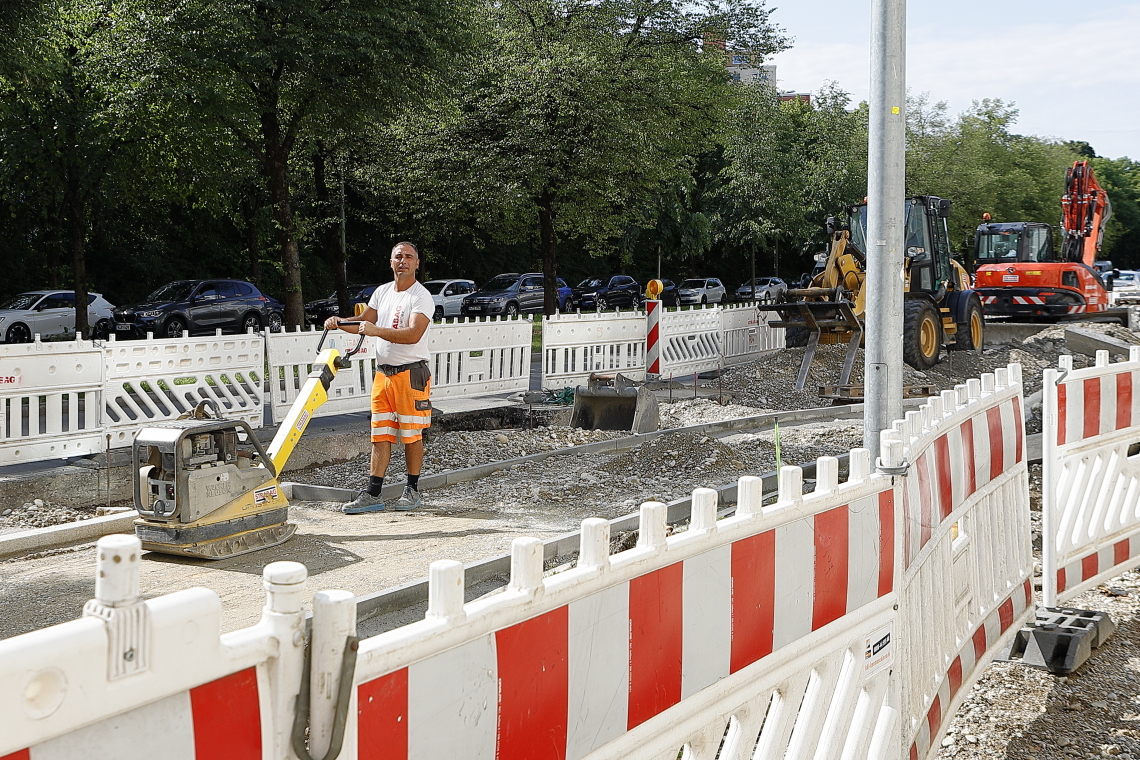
(41, 514)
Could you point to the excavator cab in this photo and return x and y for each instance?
(1009, 242)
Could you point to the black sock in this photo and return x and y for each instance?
(413, 482)
(375, 484)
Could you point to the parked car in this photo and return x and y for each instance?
(276, 311)
(507, 294)
(316, 312)
(199, 306)
(768, 289)
(668, 295)
(448, 296)
(49, 314)
(701, 291)
(620, 291)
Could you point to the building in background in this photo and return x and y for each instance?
(743, 68)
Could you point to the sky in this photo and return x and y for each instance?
(1072, 69)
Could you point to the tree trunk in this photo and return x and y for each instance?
(329, 230)
(77, 226)
(548, 246)
(252, 244)
(55, 248)
(276, 168)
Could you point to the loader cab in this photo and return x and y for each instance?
(1012, 242)
(927, 246)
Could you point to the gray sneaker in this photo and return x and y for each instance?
(409, 500)
(364, 502)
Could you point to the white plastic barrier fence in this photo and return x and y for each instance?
(747, 334)
(469, 357)
(136, 679)
(1091, 489)
(848, 622)
(51, 401)
(967, 560)
(159, 379)
(474, 357)
(574, 345)
(691, 341)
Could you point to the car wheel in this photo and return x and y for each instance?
(19, 333)
(512, 310)
(704, 300)
(251, 323)
(276, 322)
(603, 304)
(174, 328)
(438, 314)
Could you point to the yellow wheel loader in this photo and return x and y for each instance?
(204, 485)
(940, 307)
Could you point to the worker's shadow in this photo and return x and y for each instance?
(313, 551)
(349, 538)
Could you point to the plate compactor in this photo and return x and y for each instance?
(204, 485)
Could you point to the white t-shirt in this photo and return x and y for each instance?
(394, 309)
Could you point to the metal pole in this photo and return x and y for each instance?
(886, 175)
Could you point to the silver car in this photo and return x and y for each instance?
(768, 289)
(47, 313)
(702, 291)
(448, 296)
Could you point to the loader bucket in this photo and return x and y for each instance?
(614, 403)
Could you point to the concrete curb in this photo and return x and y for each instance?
(55, 536)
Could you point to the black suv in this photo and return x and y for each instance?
(316, 312)
(607, 292)
(199, 306)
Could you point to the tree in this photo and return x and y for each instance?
(575, 114)
(279, 75)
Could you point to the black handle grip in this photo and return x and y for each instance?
(325, 334)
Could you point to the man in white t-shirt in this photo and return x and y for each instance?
(398, 316)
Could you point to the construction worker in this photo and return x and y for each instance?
(398, 316)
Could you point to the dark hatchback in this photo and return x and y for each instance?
(603, 293)
(509, 294)
(316, 312)
(197, 306)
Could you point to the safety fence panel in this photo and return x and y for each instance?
(758, 624)
(136, 680)
(476, 356)
(747, 334)
(691, 341)
(606, 342)
(158, 379)
(50, 401)
(966, 554)
(291, 355)
(1091, 473)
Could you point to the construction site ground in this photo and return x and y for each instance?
(1013, 712)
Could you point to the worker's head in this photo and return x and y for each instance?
(405, 259)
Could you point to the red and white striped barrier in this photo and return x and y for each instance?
(1091, 489)
(134, 679)
(967, 557)
(847, 622)
(653, 337)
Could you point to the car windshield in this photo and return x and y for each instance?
(22, 302)
(592, 282)
(435, 287)
(693, 284)
(175, 291)
(502, 282)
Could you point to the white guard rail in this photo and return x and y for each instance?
(747, 334)
(136, 679)
(161, 378)
(691, 341)
(51, 401)
(1091, 489)
(574, 345)
(848, 622)
(967, 560)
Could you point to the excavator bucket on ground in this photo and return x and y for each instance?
(614, 402)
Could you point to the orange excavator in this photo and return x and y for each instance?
(1018, 273)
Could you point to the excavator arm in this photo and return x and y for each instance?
(1085, 210)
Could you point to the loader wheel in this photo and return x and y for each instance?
(971, 333)
(922, 334)
(796, 337)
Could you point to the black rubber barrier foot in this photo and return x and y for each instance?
(1060, 641)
